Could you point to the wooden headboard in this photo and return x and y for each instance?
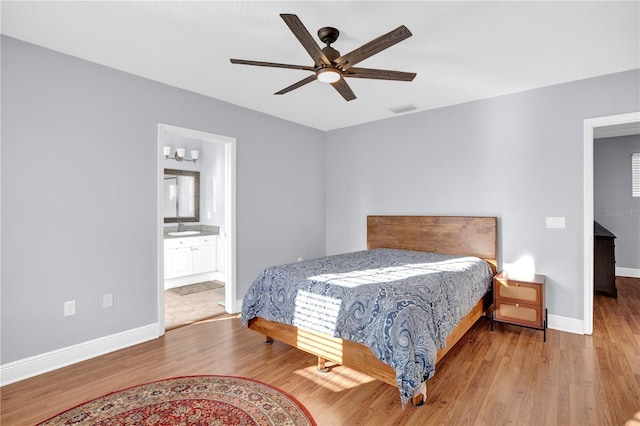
(463, 235)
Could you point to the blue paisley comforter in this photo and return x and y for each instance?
(401, 304)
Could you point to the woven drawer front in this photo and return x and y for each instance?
(522, 313)
(528, 294)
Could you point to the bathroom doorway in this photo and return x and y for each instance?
(215, 164)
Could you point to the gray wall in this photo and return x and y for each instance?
(518, 157)
(66, 124)
(614, 207)
(77, 136)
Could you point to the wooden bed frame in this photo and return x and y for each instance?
(463, 235)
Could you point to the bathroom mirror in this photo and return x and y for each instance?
(181, 196)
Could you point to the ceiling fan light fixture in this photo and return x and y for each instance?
(328, 75)
(329, 66)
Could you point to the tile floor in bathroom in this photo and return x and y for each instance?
(189, 308)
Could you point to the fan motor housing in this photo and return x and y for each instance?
(331, 53)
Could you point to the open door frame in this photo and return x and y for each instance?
(590, 125)
(230, 212)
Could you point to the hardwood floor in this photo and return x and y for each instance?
(508, 376)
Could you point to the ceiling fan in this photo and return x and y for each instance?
(329, 66)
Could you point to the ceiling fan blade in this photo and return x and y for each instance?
(271, 64)
(380, 74)
(296, 85)
(343, 88)
(374, 46)
(307, 41)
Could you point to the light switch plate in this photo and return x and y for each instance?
(555, 222)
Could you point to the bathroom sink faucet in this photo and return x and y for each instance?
(180, 226)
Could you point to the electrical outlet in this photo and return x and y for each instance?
(107, 300)
(69, 308)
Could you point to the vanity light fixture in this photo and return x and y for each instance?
(179, 154)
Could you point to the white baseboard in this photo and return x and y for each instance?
(627, 272)
(238, 307)
(38, 364)
(570, 325)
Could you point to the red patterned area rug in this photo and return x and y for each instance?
(196, 400)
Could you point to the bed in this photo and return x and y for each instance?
(391, 311)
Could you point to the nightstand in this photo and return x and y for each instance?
(519, 300)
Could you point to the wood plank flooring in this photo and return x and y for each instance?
(508, 376)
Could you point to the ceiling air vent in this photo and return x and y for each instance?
(403, 108)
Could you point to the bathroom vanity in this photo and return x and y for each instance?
(190, 256)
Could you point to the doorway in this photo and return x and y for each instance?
(227, 231)
(629, 123)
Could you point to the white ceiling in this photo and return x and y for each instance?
(461, 51)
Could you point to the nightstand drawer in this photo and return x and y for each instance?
(518, 313)
(518, 291)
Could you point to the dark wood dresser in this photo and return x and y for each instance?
(604, 261)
